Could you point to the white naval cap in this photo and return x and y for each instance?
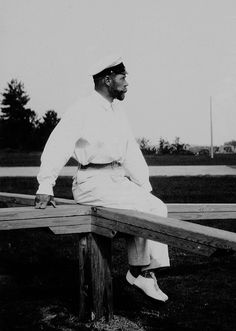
(107, 65)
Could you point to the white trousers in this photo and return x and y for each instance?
(108, 187)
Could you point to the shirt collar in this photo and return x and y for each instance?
(103, 101)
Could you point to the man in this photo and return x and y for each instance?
(112, 171)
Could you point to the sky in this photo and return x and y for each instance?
(178, 54)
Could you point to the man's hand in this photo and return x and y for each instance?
(42, 200)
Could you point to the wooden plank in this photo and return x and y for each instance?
(17, 199)
(202, 211)
(200, 207)
(69, 229)
(166, 230)
(27, 199)
(188, 216)
(22, 213)
(45, 222)
(103, 231)
(24, 199)
(133, 230)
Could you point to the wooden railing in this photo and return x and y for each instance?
(97, 226)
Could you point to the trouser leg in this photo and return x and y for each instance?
(124, 194)
(138, 251)
(148, 253)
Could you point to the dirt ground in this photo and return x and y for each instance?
(38, 287)
(38, 278)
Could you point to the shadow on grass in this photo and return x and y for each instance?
(37, 275)
(38, 287)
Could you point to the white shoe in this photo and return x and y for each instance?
(130, 278)
(148, 285)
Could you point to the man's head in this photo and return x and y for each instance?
(117, 86)
(110, 79)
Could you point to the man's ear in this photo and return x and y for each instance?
(107, 80)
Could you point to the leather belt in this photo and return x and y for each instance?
(99, 165)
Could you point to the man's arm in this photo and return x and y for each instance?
(58, 149)
(136, 166)
(134, 163)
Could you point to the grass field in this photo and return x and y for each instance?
(37, 270)
(38, 285)
(9, 158)
(204, 189)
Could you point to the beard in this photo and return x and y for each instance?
(116, 94)
(120, 95)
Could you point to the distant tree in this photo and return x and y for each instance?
(45, 127)
(161, 145)
(17, 121)
(231, 142)
(143, 143)
(2, 140)
(50, 120)
(177, 147)
(164, 147)
(146, 146)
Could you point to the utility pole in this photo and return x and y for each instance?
(212, 150)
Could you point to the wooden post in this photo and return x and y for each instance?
(82, 282)
(101, 297)
(94, 299)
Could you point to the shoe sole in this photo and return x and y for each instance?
(147, 297)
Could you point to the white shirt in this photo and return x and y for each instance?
(92, 131)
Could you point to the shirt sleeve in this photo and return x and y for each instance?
(134, 163)
(58, 149)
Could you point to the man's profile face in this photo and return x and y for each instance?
(118, 86)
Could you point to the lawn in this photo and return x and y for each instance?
(37, 272)
(219, 159)
(38, 286)
(11, 158)
(192, 189)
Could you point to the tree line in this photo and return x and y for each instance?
(164, 147)
(20, 127)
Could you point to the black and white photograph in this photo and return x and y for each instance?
(117, 165)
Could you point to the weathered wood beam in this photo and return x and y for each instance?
(103, 231)
(84, 227)
(29, 217)
(100, 259)
(204, 216)
(82, 296)
(191, 212)
(76, 218)
(16, 213)
(193, 237)
(200, 207)
(95, 296)
(27, 199)
(15, 199)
